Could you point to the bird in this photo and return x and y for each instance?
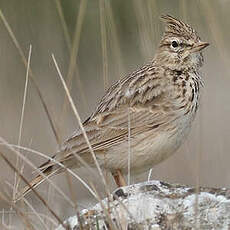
(150, 110)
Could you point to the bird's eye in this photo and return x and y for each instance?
(175, 44)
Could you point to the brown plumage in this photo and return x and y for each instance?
(161, 98)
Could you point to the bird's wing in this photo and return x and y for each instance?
(141, 86)
(113, 129)
(139, 97)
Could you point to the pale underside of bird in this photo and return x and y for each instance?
(158, 101)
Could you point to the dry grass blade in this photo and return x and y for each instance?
(4, 227)
(125, 208)
(44, 217)
(72, 194)
(113, 37)
(183, 9)
(142, 20)
(129, 146)
(25, 220)
(106, 212)
(104, 44)
(214, 27)
(151, 8)
(198, 160)
(27, 183)
(24, 96)
(36, 214)
(68, 42)
(154, 16)
(16, 183)
(24, 60)
(11, 147)
(63, 23)
(212, 23)
(73, 56)
(150, 174)
(81, 126)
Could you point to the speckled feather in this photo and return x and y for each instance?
(162, 98)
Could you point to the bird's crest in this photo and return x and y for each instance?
(175, 27)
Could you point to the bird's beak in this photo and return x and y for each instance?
(199, 46)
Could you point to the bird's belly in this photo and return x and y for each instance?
(147, 150)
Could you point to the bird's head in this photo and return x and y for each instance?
(180, 47)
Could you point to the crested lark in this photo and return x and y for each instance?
(161, 98)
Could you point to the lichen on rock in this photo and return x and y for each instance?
(157, 205)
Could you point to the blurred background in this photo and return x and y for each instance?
(95, 43)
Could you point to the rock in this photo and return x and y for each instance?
(157, 205)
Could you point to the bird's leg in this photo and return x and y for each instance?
(119, 178)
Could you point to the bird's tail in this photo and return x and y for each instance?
(47, 172)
